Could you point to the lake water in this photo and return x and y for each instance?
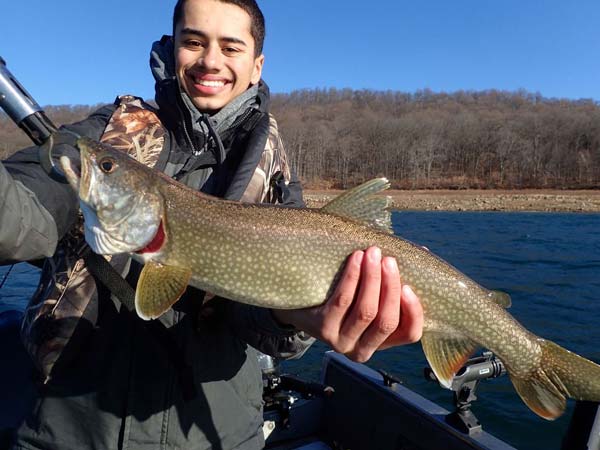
(548, 263)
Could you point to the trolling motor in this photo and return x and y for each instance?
(464, 385)
(29, 116)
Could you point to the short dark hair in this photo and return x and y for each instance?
(257, 20)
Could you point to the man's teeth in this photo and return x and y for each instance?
(210, 83)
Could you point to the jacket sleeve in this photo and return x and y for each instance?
(35, 210)
(259, 328)
(27, 229)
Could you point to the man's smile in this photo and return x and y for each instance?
(210, 83)
(207, 84)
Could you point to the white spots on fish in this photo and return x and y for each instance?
(244, 270)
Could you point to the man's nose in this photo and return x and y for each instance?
(212, 58)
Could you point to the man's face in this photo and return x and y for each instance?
(214, 53)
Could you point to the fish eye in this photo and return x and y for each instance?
(107, 165)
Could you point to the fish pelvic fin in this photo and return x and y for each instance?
(446, 354)
(158, 288)
(361, 204)
(561, 374)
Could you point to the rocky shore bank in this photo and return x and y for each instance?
(481, 200)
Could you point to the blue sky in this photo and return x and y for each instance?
(87, 52)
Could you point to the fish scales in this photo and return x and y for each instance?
(297, 266)
(304, 243)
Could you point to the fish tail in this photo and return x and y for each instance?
(561, 374)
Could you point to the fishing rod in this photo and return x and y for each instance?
(31, 118)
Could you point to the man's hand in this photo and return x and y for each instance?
(369, 309)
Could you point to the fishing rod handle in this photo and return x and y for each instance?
(22, 108)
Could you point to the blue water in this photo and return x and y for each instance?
(548, 263)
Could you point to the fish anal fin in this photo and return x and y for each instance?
(361, 204)
(500, 298)
(446, 354)
(159, 287)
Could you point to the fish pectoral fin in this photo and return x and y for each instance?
(446, 354)
(362, 205)
(500, 298)
(158, 288)
(560, 374)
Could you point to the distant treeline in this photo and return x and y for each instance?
(466, 139)
(489, 139)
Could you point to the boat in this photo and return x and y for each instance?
(354, 406)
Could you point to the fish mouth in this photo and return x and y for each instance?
(71, 171)
(78, 176)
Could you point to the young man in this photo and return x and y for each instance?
(115, 381)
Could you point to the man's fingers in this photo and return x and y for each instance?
(388, 316)
(338, 306)
(366, 305)
(411, 315)
(411, 320)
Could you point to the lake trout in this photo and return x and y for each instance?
(280, 257)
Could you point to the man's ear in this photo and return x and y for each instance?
(257, 70)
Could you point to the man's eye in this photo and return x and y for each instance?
(193, 44)
(230, 50)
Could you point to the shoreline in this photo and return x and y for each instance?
(521, 200)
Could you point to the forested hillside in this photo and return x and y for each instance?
(489, 139)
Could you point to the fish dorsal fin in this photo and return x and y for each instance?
(158, 288)
(446, 354)
(361, 204)
(500, 298)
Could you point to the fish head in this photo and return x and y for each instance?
(120, 200)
